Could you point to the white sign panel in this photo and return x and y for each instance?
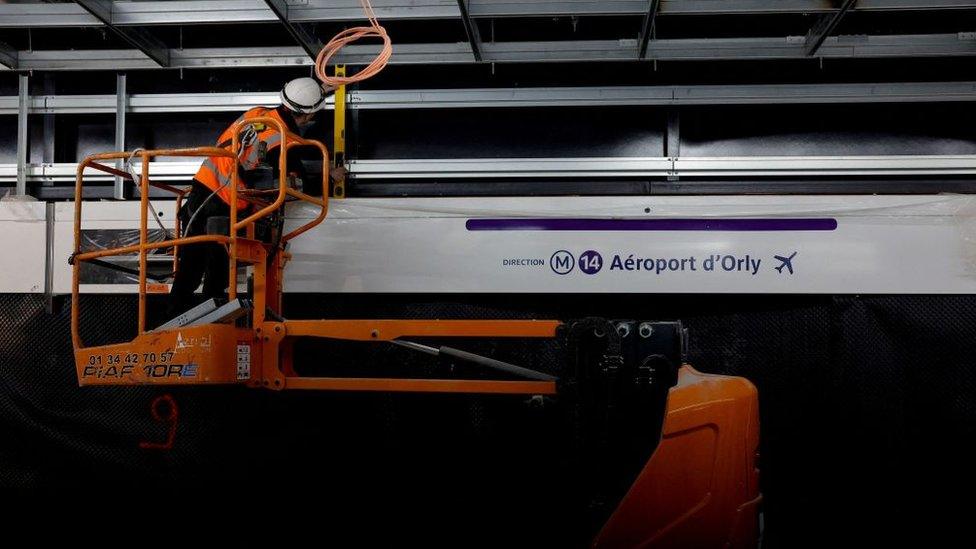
(694, 244)
(701, 244)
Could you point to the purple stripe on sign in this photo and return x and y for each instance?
(704, 224)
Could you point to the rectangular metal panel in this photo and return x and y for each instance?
(330, 10)
(510, 167)
(46, 15)
(97, 215)
(226, 313)
(23, 246)
(186, 317)
(552, 8)
(183, 12)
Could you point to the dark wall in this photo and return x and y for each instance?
(871, 129)
(8, 139)
(510, 133)
(866, 406)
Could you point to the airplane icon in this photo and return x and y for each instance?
(785, 262)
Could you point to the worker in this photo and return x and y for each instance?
(209, 197)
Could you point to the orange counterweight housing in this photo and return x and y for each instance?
(701, 486)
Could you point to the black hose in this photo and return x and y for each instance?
(135, 272)
(495, 364)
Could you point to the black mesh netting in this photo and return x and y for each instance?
(866, 403)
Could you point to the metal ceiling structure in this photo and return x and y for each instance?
(135, 36)
(8, 57)
(820, 29)
(130, 19)
(670, 166)
(195, 12)
(298, 31)
(470, 30)
(710, 49)
(825, 26)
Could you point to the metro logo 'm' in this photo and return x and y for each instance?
(562, 262)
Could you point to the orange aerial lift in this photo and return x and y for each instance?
(261, 351)
(699, 487)
(688, 440)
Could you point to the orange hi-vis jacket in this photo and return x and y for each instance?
(216, 171)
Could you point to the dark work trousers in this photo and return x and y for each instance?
(208, 261)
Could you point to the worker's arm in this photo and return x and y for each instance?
(311, 178)
(295, 166)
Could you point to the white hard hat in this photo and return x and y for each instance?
(303, 95)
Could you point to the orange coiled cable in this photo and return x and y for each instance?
(351, 35)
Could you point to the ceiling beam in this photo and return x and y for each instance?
(595, 96)
(136, 37)
(824, 27)
(686, 49)
(471, 30)
(299, 32)
(647, 28)
(198, 12)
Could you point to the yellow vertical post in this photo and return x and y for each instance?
(339, 135)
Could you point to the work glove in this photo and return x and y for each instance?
(339, 173)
